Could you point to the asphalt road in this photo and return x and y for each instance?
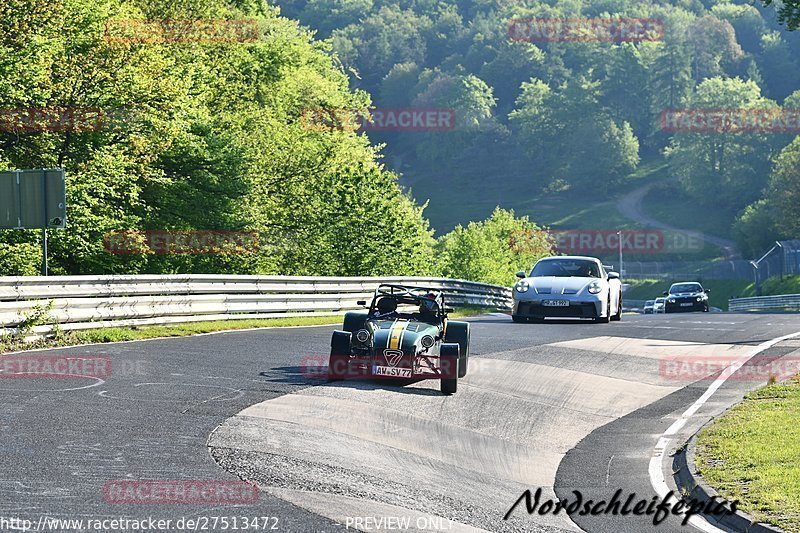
(557, 406)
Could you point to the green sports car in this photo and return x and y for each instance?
(404, 333)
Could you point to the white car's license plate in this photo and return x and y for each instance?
(689, 304)
(555, 303)
(391, 371)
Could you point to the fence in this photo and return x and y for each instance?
(787, 302)
(688, 270)
(781, 259)
(86, 302)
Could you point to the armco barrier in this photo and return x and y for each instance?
(788, 302)
(87, 302)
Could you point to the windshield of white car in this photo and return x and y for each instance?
(566, 268)
(686, 287)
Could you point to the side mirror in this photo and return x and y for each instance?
(613, 275)
(448, 310)
(362, 303)
(521, 274)
(707, 290)
(665, 293)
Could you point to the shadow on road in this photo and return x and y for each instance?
(297, 375)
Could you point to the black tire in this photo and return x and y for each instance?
(519, 319)
(340, 346)
(618, 316)
(605, 319)
(458, 333)
(450, 353)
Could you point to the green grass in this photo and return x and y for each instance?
(472, 196)
(721, 290)
(668, 203)
(752, 454)
(132, 333)
(774, 285)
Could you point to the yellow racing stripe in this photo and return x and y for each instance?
(397, 334)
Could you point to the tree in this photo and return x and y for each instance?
(714, 43)
(493, 250)
(724, 168)
(784, 190)
(212, 137)
(788, 13)
(573, 137)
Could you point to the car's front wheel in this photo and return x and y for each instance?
(340, 351)
(618, 316)
(519, 319)
(607, 318)
(450, 355)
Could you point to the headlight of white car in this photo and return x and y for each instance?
(595, 287)
(522, 286)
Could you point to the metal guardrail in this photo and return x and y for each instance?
(88, 302)
(789, 302)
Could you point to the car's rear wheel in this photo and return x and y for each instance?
(519, 319)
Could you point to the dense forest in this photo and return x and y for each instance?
(206, 134)
(581, 116)
(211, 134)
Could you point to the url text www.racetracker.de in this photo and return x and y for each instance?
(669, 504)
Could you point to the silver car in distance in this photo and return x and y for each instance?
(567, 287)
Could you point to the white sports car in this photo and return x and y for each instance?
(568, 287)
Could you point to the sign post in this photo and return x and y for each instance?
(33, 199)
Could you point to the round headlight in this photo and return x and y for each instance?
(362, 335)
(671, 300)
(522, 286)
(699, 299)
(427, 341)
(595, 287)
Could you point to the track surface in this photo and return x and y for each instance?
(559, 406)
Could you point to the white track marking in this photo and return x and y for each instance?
(657, 479)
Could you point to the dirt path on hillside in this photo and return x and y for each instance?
(630, 206)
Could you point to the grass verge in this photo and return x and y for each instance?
(752, 454)
(132, 333)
